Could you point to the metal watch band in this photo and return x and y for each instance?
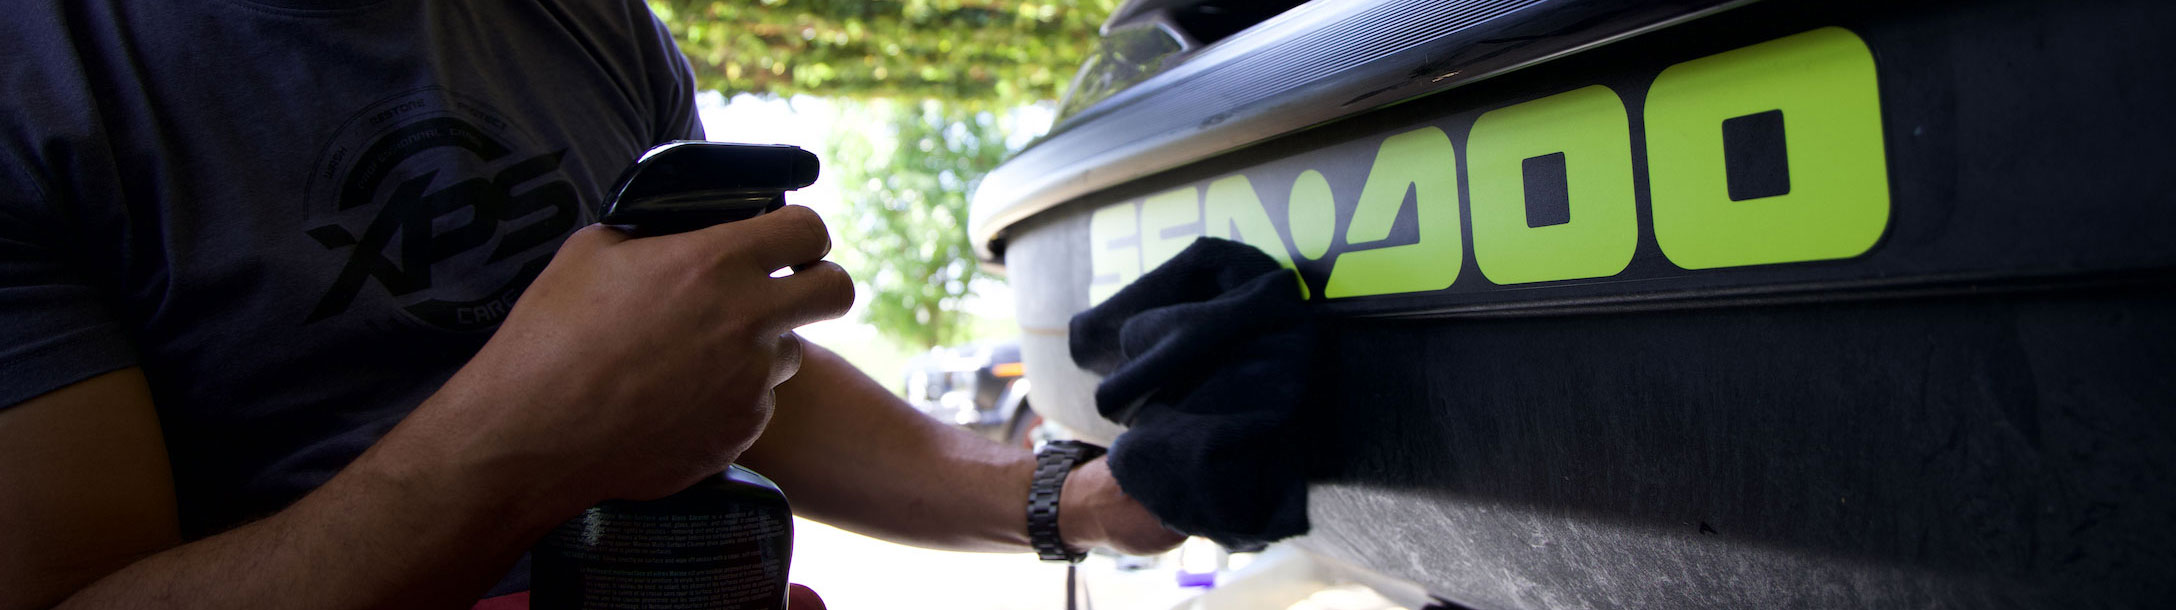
(1053, 464)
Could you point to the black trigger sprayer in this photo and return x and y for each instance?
(726, 542)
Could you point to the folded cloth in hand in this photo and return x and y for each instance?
(1206, 360)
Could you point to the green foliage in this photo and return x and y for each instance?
(974, 53)
(906, 186)
(943, 75)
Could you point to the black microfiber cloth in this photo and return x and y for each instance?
(1206, 360)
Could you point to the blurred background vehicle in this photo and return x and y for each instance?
(979, 386)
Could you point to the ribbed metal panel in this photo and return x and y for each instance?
(1316, 63)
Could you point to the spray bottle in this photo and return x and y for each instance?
(724, 543)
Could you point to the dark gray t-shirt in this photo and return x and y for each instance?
(299, 217)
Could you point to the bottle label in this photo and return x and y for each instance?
(731, 558)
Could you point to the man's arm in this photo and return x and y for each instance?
(91, 456)
(571, 402)
(848, 452)
(89, 493)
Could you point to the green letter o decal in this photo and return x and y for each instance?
(1589, 127)
(1837, 199)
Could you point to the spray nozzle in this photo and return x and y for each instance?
(688, 185)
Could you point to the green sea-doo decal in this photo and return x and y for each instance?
(1763, 155)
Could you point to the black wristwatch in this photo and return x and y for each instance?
(1053, 464)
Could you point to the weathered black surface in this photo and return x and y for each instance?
(1889, 453)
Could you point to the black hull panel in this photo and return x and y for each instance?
(1976, 409)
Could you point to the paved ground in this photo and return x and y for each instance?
(855, 572)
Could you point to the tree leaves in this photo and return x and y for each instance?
(906, 191)
(942, 75)
(979, 54)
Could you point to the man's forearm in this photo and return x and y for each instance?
(850, 453)
(411, 524)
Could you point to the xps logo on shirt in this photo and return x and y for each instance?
(434, 199)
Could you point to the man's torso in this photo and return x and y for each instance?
(301, 221)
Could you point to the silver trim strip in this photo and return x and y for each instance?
(1306, 67)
